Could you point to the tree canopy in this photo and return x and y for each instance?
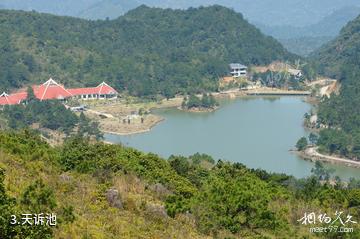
(147, 51)
(50, 114)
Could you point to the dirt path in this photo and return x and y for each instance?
(322, 82)
(100, 113)
(274, 91)
(313, 154)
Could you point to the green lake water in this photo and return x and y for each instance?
(255, 131)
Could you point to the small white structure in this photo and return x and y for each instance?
(238, 70)
(297, 73)
(313, 119)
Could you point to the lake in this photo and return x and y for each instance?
(255, 131)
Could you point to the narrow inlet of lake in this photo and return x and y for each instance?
(255, 131)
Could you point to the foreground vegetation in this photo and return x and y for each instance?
(49, 115)
(111, 191)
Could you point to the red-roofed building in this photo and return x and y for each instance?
(52, 90)
(4, 99)
(102, 91)
(13, 99)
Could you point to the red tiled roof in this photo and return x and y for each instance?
(102, 89)
(52, 90)
(4, 99)
(18, 97)
(84, 91)
(12, 99)
(106, 89)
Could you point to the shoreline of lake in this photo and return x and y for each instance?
(134, 132)
(136, 127)
(199, 109)
(255, 131)
(312, 154)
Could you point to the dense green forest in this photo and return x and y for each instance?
(148, 51)
(190, 197)
(341, 51)
(341, 112)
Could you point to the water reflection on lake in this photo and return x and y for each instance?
(257, 132)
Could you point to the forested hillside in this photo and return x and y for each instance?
(148, 51)
(341, 51)
(110, 191)
(341, 59)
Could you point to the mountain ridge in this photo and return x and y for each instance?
(330, 25)
(276, 12)
(304, 40)
(148, 51)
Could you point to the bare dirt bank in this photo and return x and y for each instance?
(312, 154)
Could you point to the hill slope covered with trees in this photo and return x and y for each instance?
(341, 51)
(341, 59)
(148, 51)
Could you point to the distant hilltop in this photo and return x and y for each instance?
(275, 12)
(147, 52)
